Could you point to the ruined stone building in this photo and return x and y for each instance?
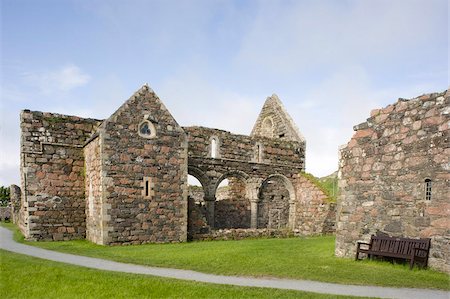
(394, 177)
(123, 180)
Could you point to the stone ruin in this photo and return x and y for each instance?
(123, 180)
(394, 177)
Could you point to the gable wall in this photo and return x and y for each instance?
(283, 127)
(127, 157)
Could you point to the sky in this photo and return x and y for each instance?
(213, 63)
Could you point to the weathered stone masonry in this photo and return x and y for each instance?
(123, 180)
(128, 162)
(237, 161)
(266, 190)
(393, 159)
(52, 170)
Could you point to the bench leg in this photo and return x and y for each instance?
(411, 264)
(357, 255)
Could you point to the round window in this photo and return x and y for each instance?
(147, 129)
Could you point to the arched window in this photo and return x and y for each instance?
(214, 147)
(267, 127)
(258, 152)
(427, 189)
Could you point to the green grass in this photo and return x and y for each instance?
(298, 258)
(28, 277)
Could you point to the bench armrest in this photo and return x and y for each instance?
(420, 249)
(362, 243)
(417, 248)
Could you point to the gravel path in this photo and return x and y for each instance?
(7, 243)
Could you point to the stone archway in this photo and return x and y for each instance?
(232, 207)
(198, 216)
(276, 200)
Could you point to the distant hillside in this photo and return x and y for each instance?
(330, 176)
(329, 182)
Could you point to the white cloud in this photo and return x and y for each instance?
(342, 101)
(9, 150)
(327, 60)
(195, 101)
(309, 35)
(62, 80)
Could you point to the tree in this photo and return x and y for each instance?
(4, 196)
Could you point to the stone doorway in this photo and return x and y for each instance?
(274, 204)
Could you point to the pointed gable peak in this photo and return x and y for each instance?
(144, 103)
(274, 97)
(275, 122)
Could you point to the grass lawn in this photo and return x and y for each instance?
(298, 258)
(28, 277)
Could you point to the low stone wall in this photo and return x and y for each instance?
(18, 212)
(197, 223)
(314, 214)
(243, 233)
(5, 213)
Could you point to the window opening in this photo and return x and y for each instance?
(147, 129)
(213, 148)
(148, 187)
(258, 153)
(427, 189)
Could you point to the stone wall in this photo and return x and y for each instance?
(197, 222)
(197, 194)
(232, 208)
(52, 170)
(314, 214)
(272, 192)
(5, 213)
(124, 180)
(243, 233)
(216, 155)
(96, 217)
(245, 148)
(383, 172)
(144, 173)
(273, 205)
(17, 215)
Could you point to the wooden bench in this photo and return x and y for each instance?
(412, 250)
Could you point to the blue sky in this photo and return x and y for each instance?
(213, 63)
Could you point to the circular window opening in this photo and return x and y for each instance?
(147, 129)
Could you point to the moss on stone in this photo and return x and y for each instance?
(54, 120)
